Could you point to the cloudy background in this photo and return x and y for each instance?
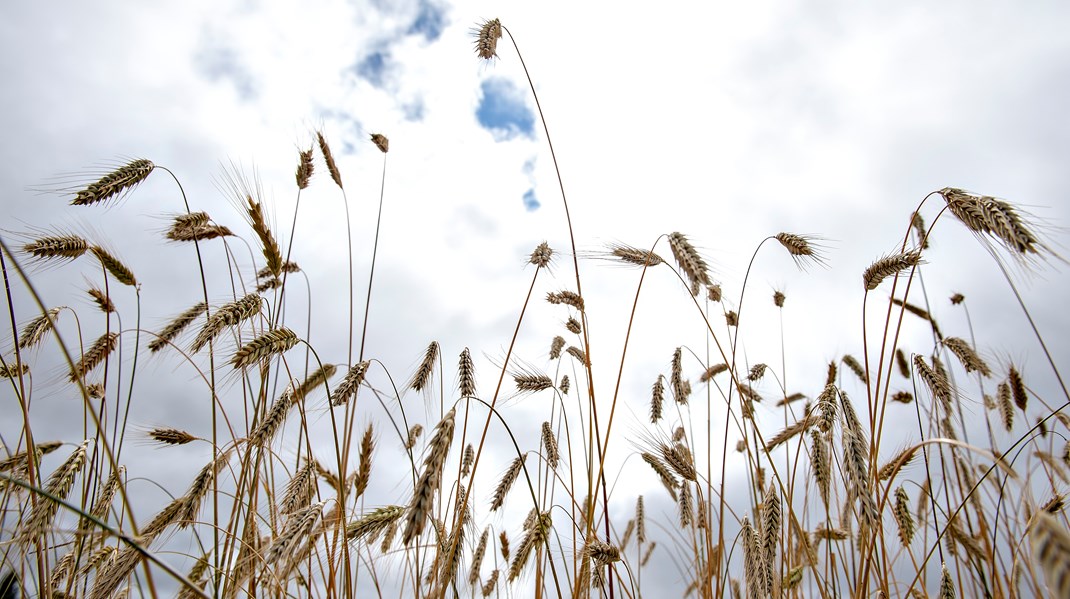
(729, 123)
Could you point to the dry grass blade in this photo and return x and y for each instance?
(176, 326)
(36, 329)
(269, 344)
(95, 355)
(67, 247)
(114, 266)
(115, 183)
(420, 508)
(888, 266)
(350, 384)
(332, 168)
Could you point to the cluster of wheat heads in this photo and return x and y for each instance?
(322, 479)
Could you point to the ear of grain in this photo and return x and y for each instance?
(986, 215)
(304, 168)
(420, 507)
(102, 300)
(199, 488)
(268, 246)
(115, 183)
(227, 315)
(889, 265)
(936, 381)
(64, 247)
(487, 37)
(294, 534)
(967, 356)
(94, 355)
(820, 465)
(657, 399)
(477, 557)
(271, 343)
(381, 142)
(676, 377)
(564, 384)
(364, 469)
(1017, 385)
(855, 367)
(350, 384)
(569, 298)
(542, 255)
(328, 157)
(802, 248)
(534, 537)
(668, 479)
(425, 373)
(466, 374)
(771, 516)
(371, 525)
(59, 485)
(634, 256)
(176, 326)
(1050, 542)
(688, 259)
(506, 482)
(467, 459)
(171, 436)
(35, 330)
(300, 490)
(114, 266)
(904, 519)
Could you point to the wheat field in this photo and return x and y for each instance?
(916, 463)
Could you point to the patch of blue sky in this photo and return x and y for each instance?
(503, 110)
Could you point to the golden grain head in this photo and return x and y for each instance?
(487, 37)
(381, 142)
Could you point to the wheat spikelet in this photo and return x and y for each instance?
(667, 477)
(536, 534)
(60, 571)
(827, 406)
(829, 534)
(364, 469)
(753, 568)
(35, 330)
(1051, 548)
(855, 367)
(1006, 409)
(770, 530)
(788, 432)
(640, 521)
(802, 248)
(10, 371)
(506, 482)
(176, 326)
(904, 519)
(171, 436)
(889, 265)
(556, 345)
(114, 571)
(756, 372)
(94, 356)
(634, 256)
(199, 488)
(487, 37)
(115, 183)
(423, 496)
(317, 378)
(778, 299)
(676, 379)
(678, 457)
(794, 397)
(414, 434)
(657, 399)
(227, 315)
(569, 298)
(66, 247)
(936, 382)
(263, 347)
(1014, 379)
(294, 534)
(902, 363)
(300, 490)
(101, 299)
(689, 260)
(477, 557)
(199, 233)
(900, 460)
(328, 157)
(114, 266)
(549, 443)
(1055, 504)
(268, 246)
(304, 168)
(59, 484)
(712, 371)
(855, 448)
(381, 142)
(373, 523)
(542, 255)
(988, 215)
(532, 382)
(820, 465)
(564, 384)
(466, 374)
(425, 373)
(350, 384)
(578, 354)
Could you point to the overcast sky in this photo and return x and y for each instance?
(729, 123)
